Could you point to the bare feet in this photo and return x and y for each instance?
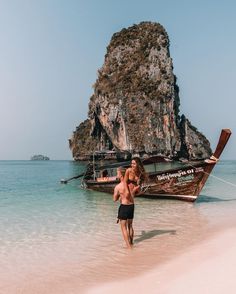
(131, 241)
(129, 246)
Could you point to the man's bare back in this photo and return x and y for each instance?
(119, 193)
(126, 209)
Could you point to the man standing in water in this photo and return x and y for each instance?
(126, 209)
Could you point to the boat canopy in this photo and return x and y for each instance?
(112, 165)
(145, 161)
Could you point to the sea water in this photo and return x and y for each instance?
(49, 229)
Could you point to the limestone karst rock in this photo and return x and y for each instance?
(135, 105)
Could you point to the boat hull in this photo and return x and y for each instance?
(182, 183)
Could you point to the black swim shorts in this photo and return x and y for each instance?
(126, 211)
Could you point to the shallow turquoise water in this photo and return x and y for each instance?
(45, 226)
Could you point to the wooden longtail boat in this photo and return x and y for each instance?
(184, 182)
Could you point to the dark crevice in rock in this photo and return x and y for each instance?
(135, 105)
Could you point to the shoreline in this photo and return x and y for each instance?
(152, 261)
(58, 239)
(170, 273)
(206, 267)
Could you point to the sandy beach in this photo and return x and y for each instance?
(162, 261)
(67, 241)
(208, 267)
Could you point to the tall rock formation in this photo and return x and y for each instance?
(135, 105)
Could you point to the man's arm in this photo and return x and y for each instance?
(126, 179)
(116, 194)
(136, 191)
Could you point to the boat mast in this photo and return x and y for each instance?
(94, 165)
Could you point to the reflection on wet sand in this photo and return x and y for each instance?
(162, 230)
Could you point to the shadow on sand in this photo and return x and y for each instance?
(204, 198)
(148, 235)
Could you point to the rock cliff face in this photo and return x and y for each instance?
(135, 105)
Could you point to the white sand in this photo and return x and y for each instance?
(208, 267)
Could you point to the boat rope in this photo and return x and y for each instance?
(220, 179)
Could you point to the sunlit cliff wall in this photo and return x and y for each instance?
(135, 105)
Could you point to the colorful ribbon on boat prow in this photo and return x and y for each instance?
(212, 159)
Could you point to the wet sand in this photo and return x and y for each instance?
(69, 242)
(208, 267)
(174, 241)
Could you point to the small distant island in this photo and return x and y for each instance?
(39, 157)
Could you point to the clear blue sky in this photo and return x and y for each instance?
(50, 51)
